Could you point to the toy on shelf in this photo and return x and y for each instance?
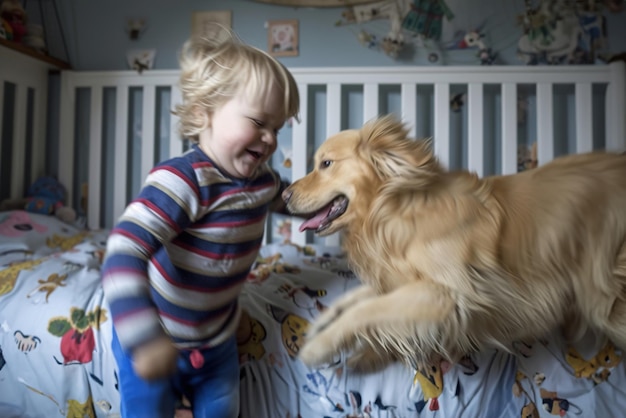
(13, 18)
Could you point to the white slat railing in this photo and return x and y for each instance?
(370, 79)
(29, 76)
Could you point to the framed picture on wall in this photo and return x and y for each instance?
(209, 24)
(282, 38)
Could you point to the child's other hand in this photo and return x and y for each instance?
(156, 359)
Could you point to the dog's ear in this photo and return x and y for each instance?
(393, 153)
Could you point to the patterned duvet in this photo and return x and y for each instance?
(55, 332)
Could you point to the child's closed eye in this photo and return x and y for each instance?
(261, 124)
(258, 122)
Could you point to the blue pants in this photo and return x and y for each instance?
(212, 389)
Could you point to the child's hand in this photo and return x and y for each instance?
(156, 359)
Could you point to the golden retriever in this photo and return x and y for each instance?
(450, 262)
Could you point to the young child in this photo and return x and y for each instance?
(180, 253)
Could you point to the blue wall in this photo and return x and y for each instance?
(97, 39)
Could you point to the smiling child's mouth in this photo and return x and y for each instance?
(255, 154)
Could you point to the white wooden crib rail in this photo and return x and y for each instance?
(330, 116)
(23, 96)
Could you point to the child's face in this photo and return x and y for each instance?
(242, 132)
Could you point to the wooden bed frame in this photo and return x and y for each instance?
(331, 99)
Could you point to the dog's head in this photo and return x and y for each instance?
(351, 169)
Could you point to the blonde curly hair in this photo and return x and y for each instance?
(215, 70)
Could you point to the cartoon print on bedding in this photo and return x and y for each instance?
(303, 297)
(597, 368)
(557, 405)
(250, 336)
(9, 274)
(26, 343)
(349, 405)
(292, 329)
(75, 408)
(18, 223)
(264, 266)
(549, 392)
(66, 243)
(77, 334)
(49, 285)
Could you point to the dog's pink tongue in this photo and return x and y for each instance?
(316, 220)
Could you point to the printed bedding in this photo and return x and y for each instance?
(55, 332)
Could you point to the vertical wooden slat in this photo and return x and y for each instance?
(475, 123)
(333, 125)
(2, 139)
(299, 147)
(333, 109)
(370, 101)
(39, 132)
(509, 128)
(1, 99)
(120, 165)
(545, 123)
(147, 130)
(584, 118)
(408, 99)
(67, 115)
(19, 141)
(176, 143)
(442, 123)
(615, 105)
(94, 192)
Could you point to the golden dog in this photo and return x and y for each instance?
(452, 263)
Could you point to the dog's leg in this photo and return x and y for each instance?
(615, 325)
(351, 298)
(370, 358)
(410, 313)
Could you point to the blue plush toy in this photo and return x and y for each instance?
(45, 196)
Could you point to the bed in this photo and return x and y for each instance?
(55, 328)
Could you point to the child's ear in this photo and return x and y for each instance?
(203, 115)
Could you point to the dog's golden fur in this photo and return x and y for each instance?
(450, 262)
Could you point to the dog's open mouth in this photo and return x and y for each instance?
(325, 216)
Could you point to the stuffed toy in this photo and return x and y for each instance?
(13, 13)
(46, 196)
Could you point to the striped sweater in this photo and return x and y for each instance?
(180, 253)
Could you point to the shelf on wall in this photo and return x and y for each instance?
(35, 54)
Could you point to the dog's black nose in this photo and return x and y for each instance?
(286, 195)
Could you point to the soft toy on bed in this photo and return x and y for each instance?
(46, 196)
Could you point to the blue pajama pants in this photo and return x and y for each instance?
(212, 389)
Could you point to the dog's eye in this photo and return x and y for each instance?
(325, 164)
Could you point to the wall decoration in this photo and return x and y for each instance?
(560, 32)
(140, 60)
(209, 24)
(282, 37)
(418, 22)
(474, 39)
(315, 3)
(135, 28)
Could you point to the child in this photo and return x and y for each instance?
(179, 256)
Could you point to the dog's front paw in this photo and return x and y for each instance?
(366, 360)
(316, 352)
(322, 321)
